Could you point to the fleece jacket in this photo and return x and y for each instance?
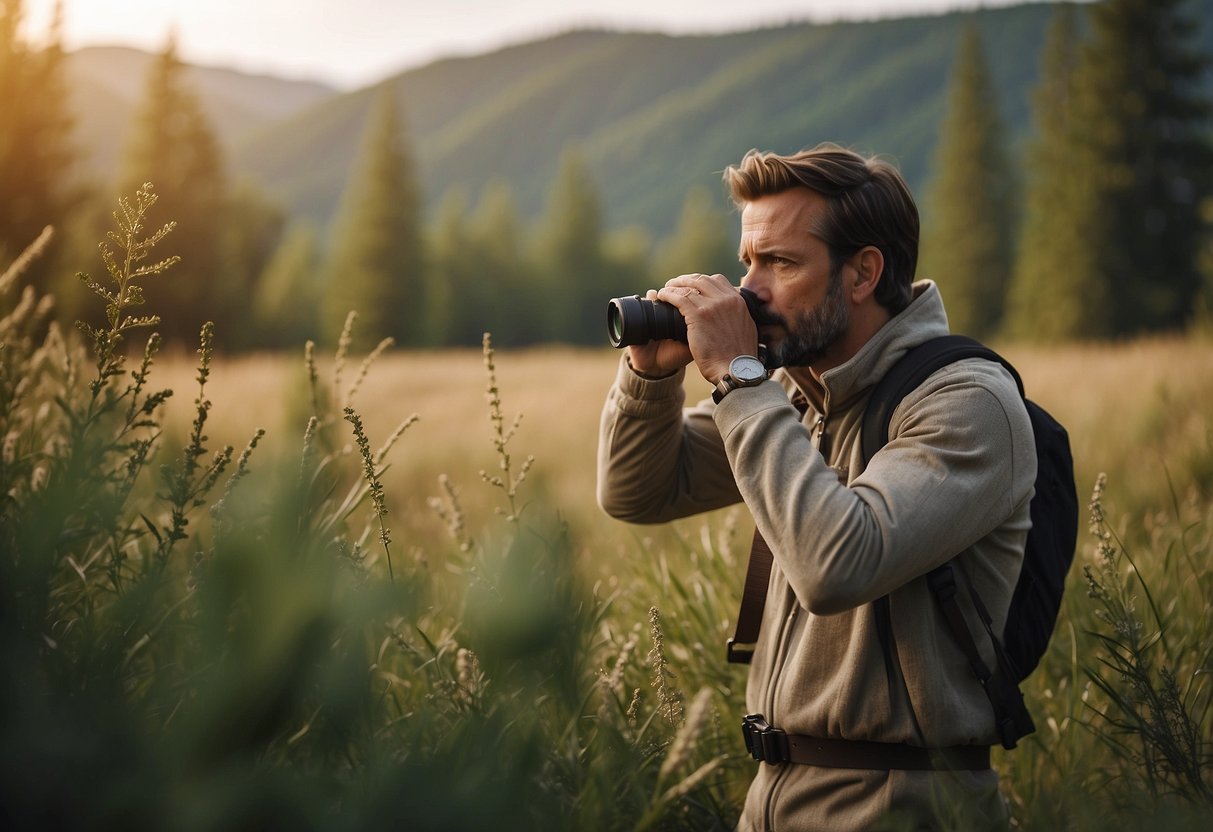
(954, 481)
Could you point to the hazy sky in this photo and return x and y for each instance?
(353, 42)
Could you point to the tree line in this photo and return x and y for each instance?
(1106, 232)
(1102, 229)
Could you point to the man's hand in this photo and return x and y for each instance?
(719, 326)
(658, 358)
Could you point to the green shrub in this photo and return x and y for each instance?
(211, 646)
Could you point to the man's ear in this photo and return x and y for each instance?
(868, 263)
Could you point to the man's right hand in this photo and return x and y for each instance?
(659, 358)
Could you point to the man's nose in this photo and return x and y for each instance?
(753, 281)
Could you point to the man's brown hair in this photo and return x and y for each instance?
(867, 204)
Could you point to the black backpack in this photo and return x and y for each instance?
(1047, 555)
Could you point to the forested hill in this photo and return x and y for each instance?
(654, 114)
(106, 84)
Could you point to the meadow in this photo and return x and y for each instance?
(400, 606)
(1137, 412)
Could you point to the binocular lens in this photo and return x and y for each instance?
(635, 320)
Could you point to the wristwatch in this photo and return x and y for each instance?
(744, 371)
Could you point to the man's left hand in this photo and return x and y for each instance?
(719, 326)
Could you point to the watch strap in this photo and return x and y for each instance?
(725, 386)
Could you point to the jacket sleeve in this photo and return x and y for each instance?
(957, 468)
(656, 460)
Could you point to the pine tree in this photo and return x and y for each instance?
(519, 309)
(1056, 292)
(288, 293)
(570, 253)
(35, 152)
(1145, 157)
(376, 259)
(253, 232)
(1203, 318)
(968, 235)
(458, 300)
(702, 242)
(172, 146)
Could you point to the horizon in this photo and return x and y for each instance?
(375, 39)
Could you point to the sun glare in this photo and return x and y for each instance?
(359, 41)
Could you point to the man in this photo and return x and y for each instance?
(829, 240)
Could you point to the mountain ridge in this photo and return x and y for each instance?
(654, 114)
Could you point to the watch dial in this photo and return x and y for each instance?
(746, 368)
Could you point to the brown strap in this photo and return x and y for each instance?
(769, 744)
(815, 751)
(740, 648)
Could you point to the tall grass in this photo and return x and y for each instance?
(399, 607)
(223, 647)
(1123, 698)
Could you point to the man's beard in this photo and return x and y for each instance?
(814, 331)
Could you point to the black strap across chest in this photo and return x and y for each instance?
(911, 371)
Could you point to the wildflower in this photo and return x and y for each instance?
(669, 701)
(378, 502)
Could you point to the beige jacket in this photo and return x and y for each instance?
(955, 480)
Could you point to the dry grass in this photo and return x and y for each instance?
(1138, 411)
(1135, 410)
(558, 392)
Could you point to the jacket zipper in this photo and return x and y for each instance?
(785, 630)
(817, 434)
(787, 626)
(823, 441)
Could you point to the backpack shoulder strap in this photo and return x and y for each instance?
(909, 373)
(911, 370)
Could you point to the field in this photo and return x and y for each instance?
(1138, 411)
(565, 668)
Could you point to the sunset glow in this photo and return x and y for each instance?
(355, 42)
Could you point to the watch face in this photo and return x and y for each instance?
(747, 369)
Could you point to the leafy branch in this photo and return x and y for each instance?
(507, 480)
(126, 294)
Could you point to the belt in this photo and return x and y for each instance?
(768, 744)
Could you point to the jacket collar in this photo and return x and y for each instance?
(921, 321)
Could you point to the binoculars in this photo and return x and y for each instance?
(634, 320)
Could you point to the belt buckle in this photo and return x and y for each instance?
(765, 743)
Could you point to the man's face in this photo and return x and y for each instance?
(804, 310)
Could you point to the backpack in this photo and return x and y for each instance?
(1048, 553)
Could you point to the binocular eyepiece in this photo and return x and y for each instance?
(633, 320)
